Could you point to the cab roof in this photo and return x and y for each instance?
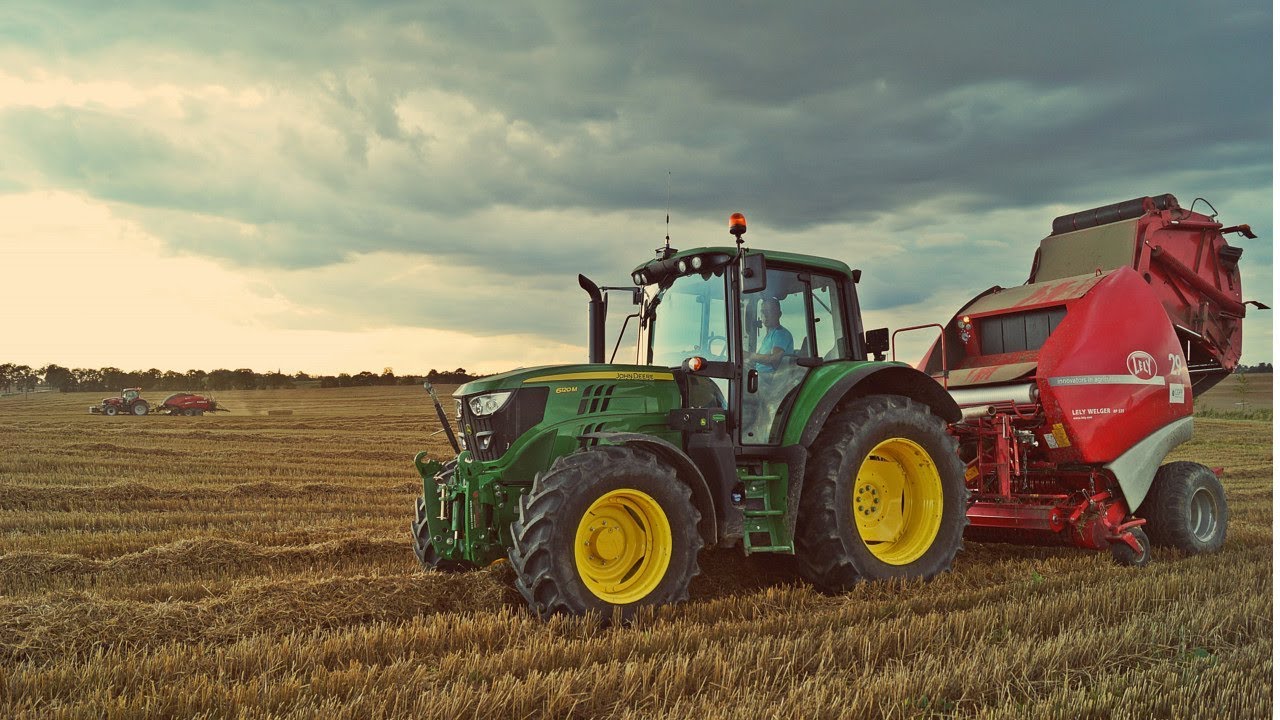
(770, 256)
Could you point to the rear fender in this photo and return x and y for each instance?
(686, 470)
(830, 385)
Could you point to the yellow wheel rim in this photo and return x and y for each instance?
(623, 546)
(897, 501)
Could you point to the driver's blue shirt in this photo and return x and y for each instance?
(778, 337)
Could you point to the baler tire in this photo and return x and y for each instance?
(423, 547)
(1124, 555)
(1186, 508)
(552, 514)
(189, 412)
(830, 550)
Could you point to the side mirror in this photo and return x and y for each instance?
(753, 273)
(877, 342)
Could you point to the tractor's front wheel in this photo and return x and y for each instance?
(884, 496)
(109, 410)
(604, 530)
(1186, 508)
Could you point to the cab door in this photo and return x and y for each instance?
(791, 326)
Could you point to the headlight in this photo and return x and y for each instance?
(682, 266)
(482, 405)
(697, 262)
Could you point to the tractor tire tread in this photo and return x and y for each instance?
(822, 551)
(533, 555)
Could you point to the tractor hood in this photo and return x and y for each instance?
(559, 374)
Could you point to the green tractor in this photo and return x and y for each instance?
(754, 420)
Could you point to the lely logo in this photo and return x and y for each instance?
(1141, 365)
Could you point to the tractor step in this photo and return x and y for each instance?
(764, 511)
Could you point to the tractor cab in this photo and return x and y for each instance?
(130, 394)
(747, 343)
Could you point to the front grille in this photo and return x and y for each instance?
(490, 436)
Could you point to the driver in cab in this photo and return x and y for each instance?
(777, 340)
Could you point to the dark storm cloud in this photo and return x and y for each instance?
(445, 129)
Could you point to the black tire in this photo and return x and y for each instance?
(110, 410)
(423, 547)
(1124, 555)
(140, 408)
(544, 536)
(830, 550)
(189, 412)
(1186, 508)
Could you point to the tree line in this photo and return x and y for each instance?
(24, 378)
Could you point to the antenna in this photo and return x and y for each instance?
(666, 251)
(668, 208)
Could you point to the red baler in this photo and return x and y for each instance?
(1077, 384)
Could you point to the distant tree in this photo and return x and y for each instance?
(301, 376)
(244, 379)
(59, 378)
(328, 381)
(276, 381)
(344, 380)
(220, 379)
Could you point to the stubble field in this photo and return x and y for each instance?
(254, 565)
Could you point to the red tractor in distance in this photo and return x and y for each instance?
(129, 402)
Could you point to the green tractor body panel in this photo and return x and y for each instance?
(550, 411)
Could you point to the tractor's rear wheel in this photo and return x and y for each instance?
(1186, 508)
(604, 530)
(884, 496)
(141, 408)
(110, 410)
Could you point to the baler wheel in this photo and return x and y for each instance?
(1186, 508)
(189, 412)
(607, 529)
(884, 496)
(1122, 554)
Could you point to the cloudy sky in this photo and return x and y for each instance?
(331, 187)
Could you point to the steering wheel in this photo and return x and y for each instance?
(721, 353)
